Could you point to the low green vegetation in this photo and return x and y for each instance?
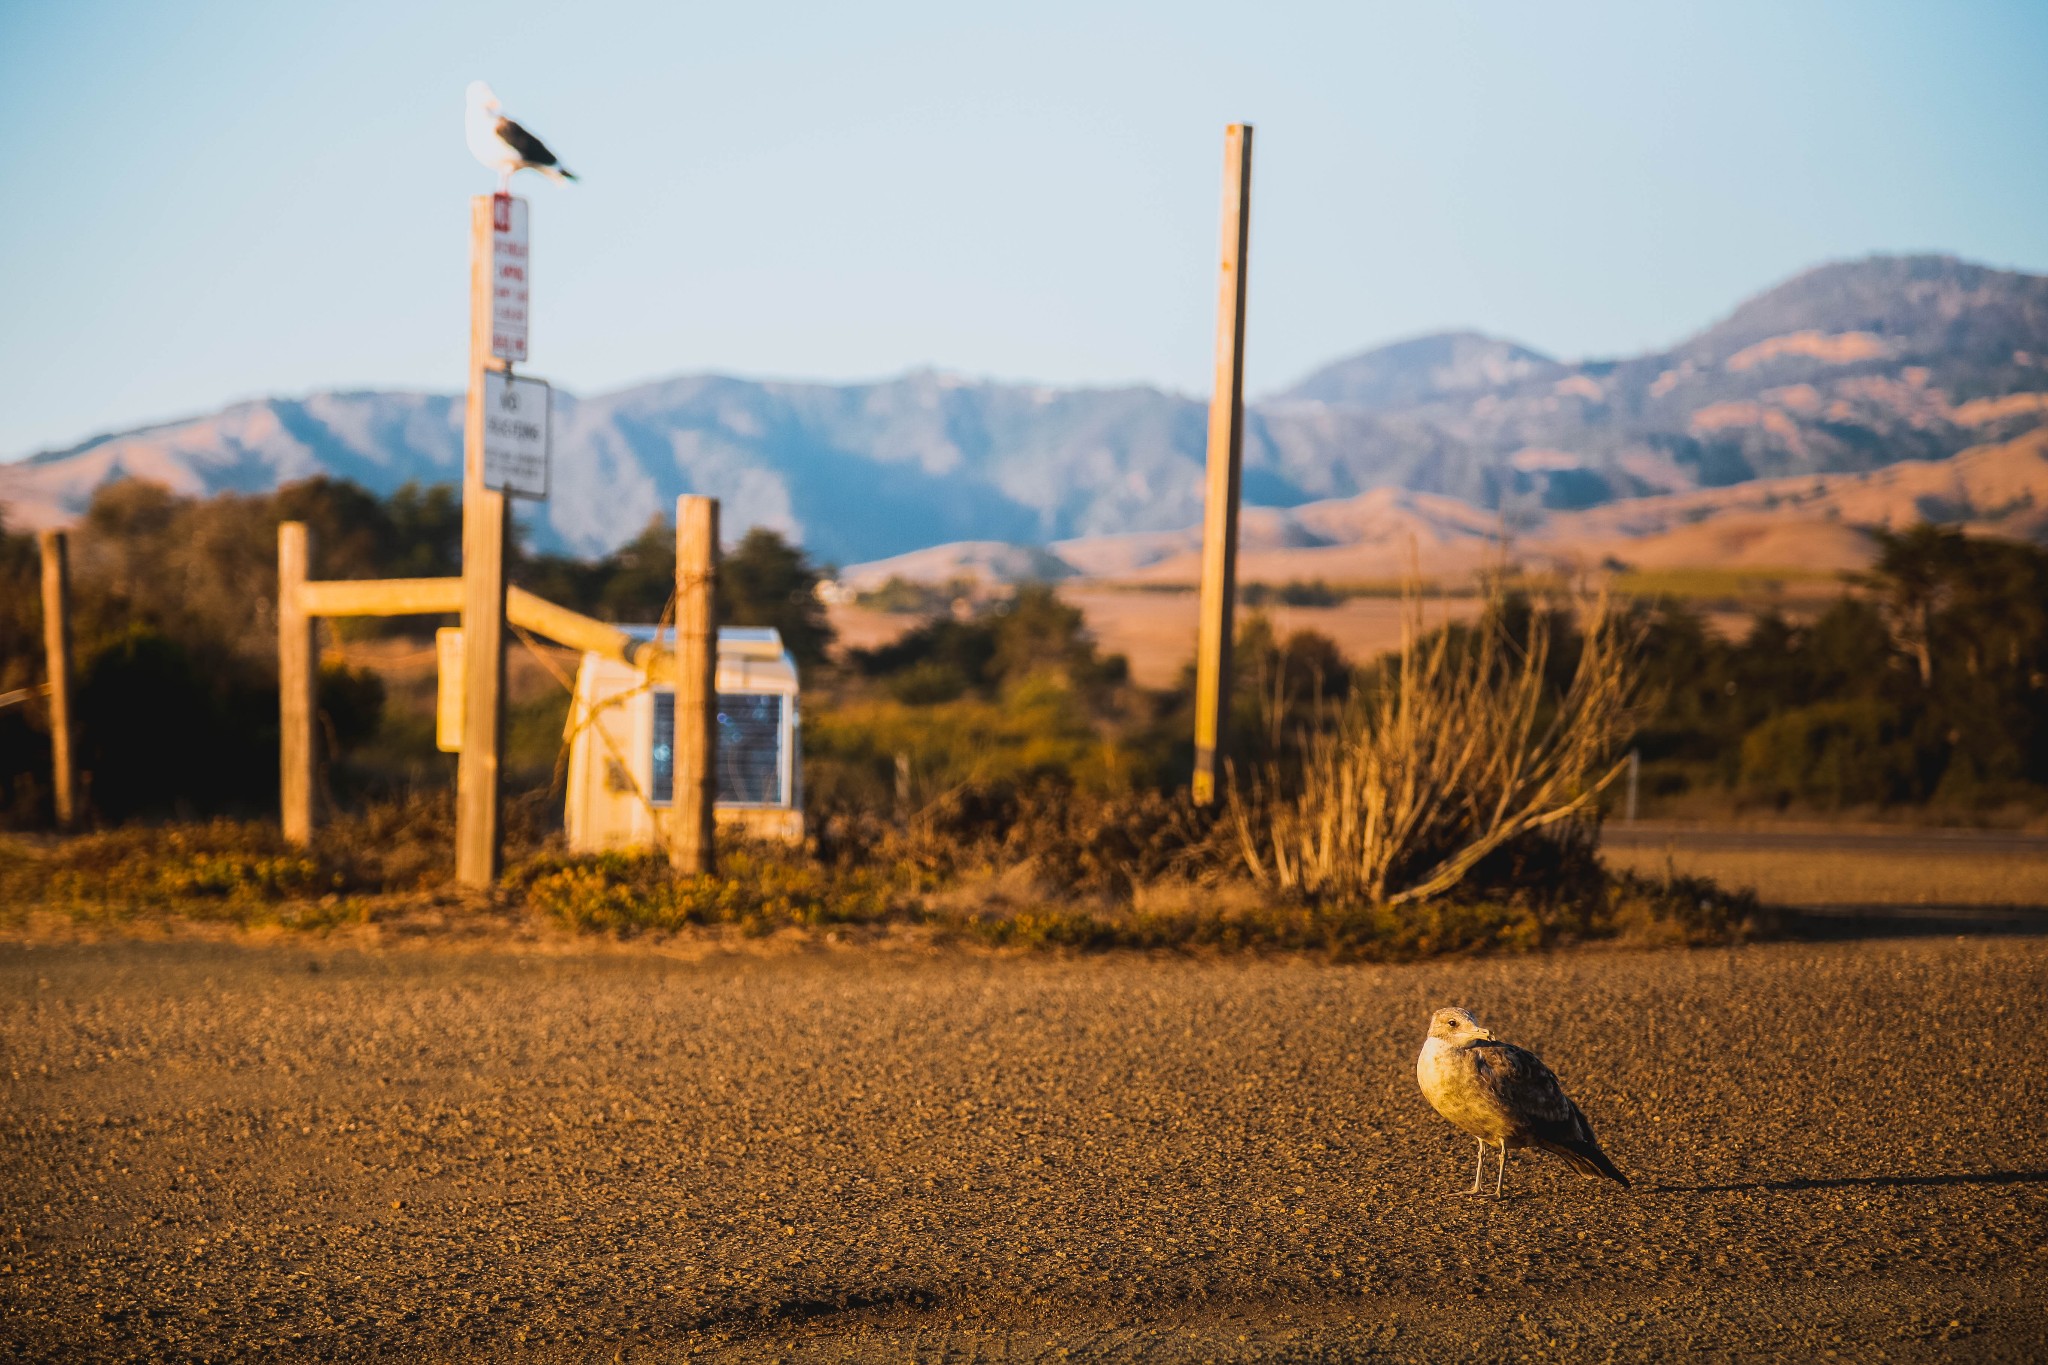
(1037, 869)
(1293, 593)
(1311, 592)
(900, 596)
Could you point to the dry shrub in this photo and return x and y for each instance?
(1067, 841)
(1105, 847)
(1457, 754)
(407, 843)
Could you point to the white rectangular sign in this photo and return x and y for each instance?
(516, 434)
(508, 277)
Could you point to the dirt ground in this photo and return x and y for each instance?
(215, 1150)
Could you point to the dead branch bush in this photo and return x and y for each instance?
(1458, 753)
(1074, 844)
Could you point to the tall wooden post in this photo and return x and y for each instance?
(295, 681)
(57, 650)
(1226, 455)
(483, 592)
(693, 811)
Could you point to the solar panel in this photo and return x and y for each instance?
(749, 748)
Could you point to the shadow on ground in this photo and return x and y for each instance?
(1840, 922)
(1871, 1182)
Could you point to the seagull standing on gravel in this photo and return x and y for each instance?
(1504, 1096)
(503, 145)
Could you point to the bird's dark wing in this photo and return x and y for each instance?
(1524, 1087)
(531, 149)
(1546, 1117)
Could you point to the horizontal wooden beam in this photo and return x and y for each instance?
(22, 694)
(439, 596)
(577, 631)
(381, 596)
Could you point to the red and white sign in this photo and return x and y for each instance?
(508, 277)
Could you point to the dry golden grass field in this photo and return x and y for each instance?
(1155, 631)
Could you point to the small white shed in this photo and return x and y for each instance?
(622, 736)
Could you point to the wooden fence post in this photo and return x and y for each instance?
(693, 809)
(1226, 454)
(57, 650)
(295, 682)
(484, 514)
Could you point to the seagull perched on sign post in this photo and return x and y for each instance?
(503, 145)
(1503, 1096)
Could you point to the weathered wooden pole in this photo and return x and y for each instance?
(295, 681)
(57, 650)
(693, 809)
(1226, 455)
(484, 513)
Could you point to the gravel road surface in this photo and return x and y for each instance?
(303, 1152)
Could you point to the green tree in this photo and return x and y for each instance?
(1032, 635)
(766, 581)
(636, 581)
(1831, 754)
(425, 532)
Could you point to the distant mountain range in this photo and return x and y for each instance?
(1845, 369)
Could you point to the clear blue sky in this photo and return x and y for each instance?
(213, 201)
